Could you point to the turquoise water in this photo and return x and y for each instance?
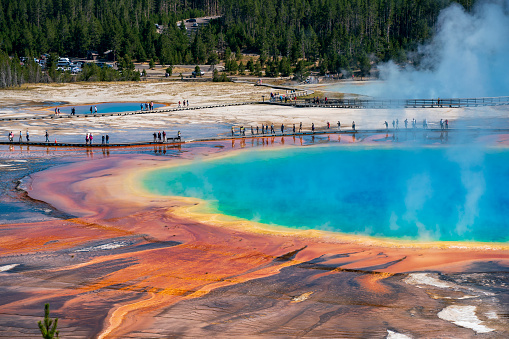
(112, 107)
(439, 194)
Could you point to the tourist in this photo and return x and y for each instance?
(90, 109)
(187, 103)
(282, 128)
(233, 131)
(178, 135)
(20, 137)
(102, 139)
(313, 127)
(252, 132)
(393, 124)
(91, 138)
(155, 136)
(328, 124)
(141, 106)
(256, 129)
(28, 136)
(446, 124)
(386, 125)
(159, 136)
(56, 111)
(339, 125)
(353, 125)
(107, 139)
(95, 109)
(424, 124)
(86, 139)
(406, 123)
(9, 136)
(164, 136)
(151, 105)
(441, 124)
(47, 136)
(300, 127)
(293, 128)
(397, 123)
(272, 131)
(73, 111)
(179, 104)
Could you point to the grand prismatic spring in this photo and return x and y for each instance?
(373, 234)
(434, 193)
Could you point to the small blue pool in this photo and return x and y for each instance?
(111, 107)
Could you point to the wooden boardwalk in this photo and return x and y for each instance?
(176, 141)
(389, 103)
(331, 103)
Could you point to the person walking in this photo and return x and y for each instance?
(353, 125)
(293, 128)
(90, 109)
(339, 125)
(397, 123)
(233, 131)
(257, 131)
(282, 128)
(272, 131)
(386, 125)
(47, 136)
(91, 138)
(300, 127)
(107, 139)
(313, 127)
(446, 124)
(393, 124)
(164, 136)
(27, 136)
(406, 123)
(95, 109)
(20, 137)
(178, 135)
(155, 136)
(102, 139)
(87, 138)
(252, 132)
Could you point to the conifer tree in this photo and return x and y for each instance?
(48, 327)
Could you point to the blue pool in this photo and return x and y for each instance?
(427, 193)
(111, 107)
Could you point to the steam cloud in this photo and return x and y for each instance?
(467, 57)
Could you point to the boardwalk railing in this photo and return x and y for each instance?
(392, 103)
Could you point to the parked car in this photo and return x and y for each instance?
(202, 73)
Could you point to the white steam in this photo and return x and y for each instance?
(467, 57)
